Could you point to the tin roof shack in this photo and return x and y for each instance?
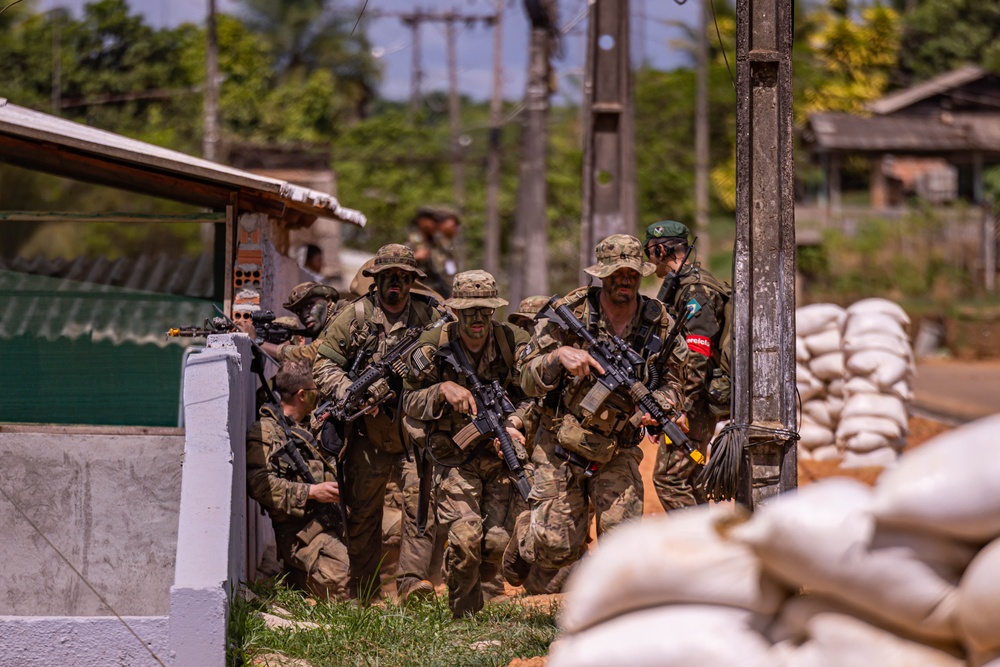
(123, 543)
(932, 140)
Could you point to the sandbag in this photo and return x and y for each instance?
(882, 457)
(828, 367)
(872, 323)
(838, 640)
(860, 385)
(850, 426)
(822, 343)
(827, 453)
(813, 435)
(817, 412)
(870, 341)
(669, 559)
(949, 486)
(817, 317)
(866, 442)
(836, 388)
(882, 307)
(802, 355)
(902, 391)
(979, 602)
(822, 537)
(671, 636)
(876, 405)
(882, 368)
(834, 405)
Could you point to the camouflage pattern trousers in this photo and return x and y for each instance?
(367, 472)
(315, 560)
(674, 474)
(563, 500)
(474, 501)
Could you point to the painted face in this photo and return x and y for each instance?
(622, 285)
(393, 285)
(313, 315)
(474, 321)
(310, 398)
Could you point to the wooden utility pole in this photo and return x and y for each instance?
(416, 74)
(455, 113)
(491, 254)
(701, 150)
(608, 152)
(529, 250)
(210, 141)
(56, 17)
(763, 372)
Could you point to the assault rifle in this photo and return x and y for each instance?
(668, 290)
(268, 331)
(492, 408)
(356, 401)
(619, 362)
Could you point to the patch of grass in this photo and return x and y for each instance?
(421, 634)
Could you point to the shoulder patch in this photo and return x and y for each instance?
(691, 308)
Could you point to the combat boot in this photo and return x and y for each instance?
(515, 567)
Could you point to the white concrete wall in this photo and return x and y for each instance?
(83, 641)
(211, 532)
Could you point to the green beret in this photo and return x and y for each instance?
(665, 229)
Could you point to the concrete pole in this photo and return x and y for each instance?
(763, 372)
(491, 255)
(211, 108)
(701, 149)
(416, 74)
(455, 112)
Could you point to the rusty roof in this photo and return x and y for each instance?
(834, 132)
(41, 141)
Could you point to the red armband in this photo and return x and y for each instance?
(700, 344)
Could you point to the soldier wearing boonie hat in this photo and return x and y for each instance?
(375, 451)
(589, 460)
(315, 305)
(524, 316)
(700, 298)
(474, 491)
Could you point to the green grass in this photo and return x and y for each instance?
(422, 634)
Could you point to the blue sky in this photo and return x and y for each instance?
(391, 39)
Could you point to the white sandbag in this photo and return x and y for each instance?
(822, 537)
(881, 306)
(626, 571)
(947, 486)
(671, 636)
(822, 343)
(802, 355)
(850, 426)
(866, 442)
(804, 454)
(876, 405)
(860, 385)
(835, 406)
(818, 412)
(902, 391)
(838, 640)
(883, 457)
(827, 453)
(979, 602)
(872, 323)
(818, 317)
(812, 435)
(882, 368)
(870, 341)
(828, 367)
(809, 392)
(836, 388)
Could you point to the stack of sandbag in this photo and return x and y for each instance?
(878, 363)
(837, 574)
(819, 376)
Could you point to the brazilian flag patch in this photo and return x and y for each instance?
(692, 308)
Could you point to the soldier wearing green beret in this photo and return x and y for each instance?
(700, 301)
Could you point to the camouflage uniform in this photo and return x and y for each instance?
(291, 350)
(440, 264)
(474, 496)
(374, 452)
(312, 551)
(554, 534)
(699, 294)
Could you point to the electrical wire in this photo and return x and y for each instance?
(9, 6)
(720, 480)
(718, 34)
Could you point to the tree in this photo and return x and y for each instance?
(940, 35)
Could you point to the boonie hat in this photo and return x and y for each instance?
(393, 256)
(474, 289)
(619, 251)
(527, 309)
(307, 290)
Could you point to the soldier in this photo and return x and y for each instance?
(304, 513)
(315, 305)
(371, 325)
(587, 460)
(700, 299)
(474, 489)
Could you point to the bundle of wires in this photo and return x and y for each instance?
(721, 477)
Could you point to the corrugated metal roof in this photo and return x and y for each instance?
(943, 82)
(57, 139)
(52, 308)
(902, 134)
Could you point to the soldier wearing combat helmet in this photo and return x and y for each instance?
(590, 460)
(700, 299)
(474, 490)
(374, 451)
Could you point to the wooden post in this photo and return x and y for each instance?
(763, 371)
(989, 243)
(491, 253)
(416, 74)
(455, 112)
(701, 156)
(210, 141)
